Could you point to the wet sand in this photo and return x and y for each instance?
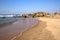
(9, 32)
(38, 32)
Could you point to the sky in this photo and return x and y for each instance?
(29, 6)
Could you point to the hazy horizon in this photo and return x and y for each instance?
(29, 6)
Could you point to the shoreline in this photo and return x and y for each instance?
(36, 32)
(7, 23)
(26, 30)
(10, 32)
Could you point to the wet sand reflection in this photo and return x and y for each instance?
(10, 31)
(37, 33)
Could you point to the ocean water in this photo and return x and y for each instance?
(17, 28)
(7, 19)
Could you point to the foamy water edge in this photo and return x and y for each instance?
(25, 30)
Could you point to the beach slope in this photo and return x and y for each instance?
(38, 32)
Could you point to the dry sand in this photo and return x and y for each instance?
(46, 29)
(53, 25)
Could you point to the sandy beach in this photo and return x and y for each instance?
(46, 29)
(29, 19)
(9, 32)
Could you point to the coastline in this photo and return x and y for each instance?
(9, 32)
(7, 21)
(37, 22)
(38, 32)
(24, 29)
